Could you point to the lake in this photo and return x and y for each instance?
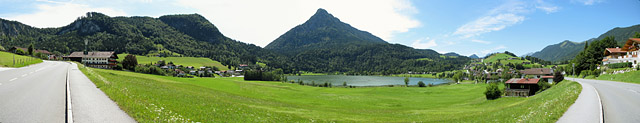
(337, 80)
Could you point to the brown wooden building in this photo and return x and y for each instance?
(521, 87)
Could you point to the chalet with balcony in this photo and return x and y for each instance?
(628, 53)
(101, 59)
(521, 87)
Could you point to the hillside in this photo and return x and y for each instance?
(186, 34)
(325, 44)
(474, 56)
(196, 62)
(567, 50)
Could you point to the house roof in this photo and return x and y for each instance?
(536, 71)
(522, 81)
(629, 45)
(99, 54)
(615, 50)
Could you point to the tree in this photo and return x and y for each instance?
(457, 77)
(130, 62)
(558, 77)
(421, 84)
(30, 49)
(493, 92)
(406, 81)
(344, 84)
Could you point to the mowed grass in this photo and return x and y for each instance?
(184, 61)
(630, 77)
(151, 98)
(6, 60)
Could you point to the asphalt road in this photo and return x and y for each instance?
(620, 101)
(37, 94)
(34, 93)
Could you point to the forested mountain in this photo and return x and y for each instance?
(325, 44)
(322, 30)
(189, 35)
(474, 56)
(567, 50)
(452, 54)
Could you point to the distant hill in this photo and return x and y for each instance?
(452, 54)
(567, 50)
(474, 56)
(325, 44)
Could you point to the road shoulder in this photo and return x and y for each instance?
(90, 104)
(586, 109)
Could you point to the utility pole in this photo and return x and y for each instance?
(573, 66)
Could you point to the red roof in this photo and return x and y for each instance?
(546, 77)
(616, 50)
(522, 81)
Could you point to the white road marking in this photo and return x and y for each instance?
(13, 79)
(634, 91)
(30, 72)
(23, 75)
(0, 83)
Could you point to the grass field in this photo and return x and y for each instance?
(630, 77)
(184, 61)
(6, 60)
(151, 98)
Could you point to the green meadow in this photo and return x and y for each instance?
(6, 60)
(184, 61)
(630, 77)
(151, 98)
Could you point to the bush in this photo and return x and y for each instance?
(20, 52)
(130, 62)
(543, 86)
(118, 67)
(558, 77)
(493, 92)
(421, 84)
(620, 65)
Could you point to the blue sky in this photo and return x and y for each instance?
(461, 26)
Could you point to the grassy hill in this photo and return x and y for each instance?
(151, 98)
(630, 77)
(184, 61)
(6, 60)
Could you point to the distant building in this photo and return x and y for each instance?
(628, 53)
(521, 87)
(102, 59)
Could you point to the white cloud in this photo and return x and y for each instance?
(588, 2)
(480, 41)
(497, 19)
(544, 6)
(419, 44)
(492, 50)
(503, 16)
(262, 21)
(57, 14)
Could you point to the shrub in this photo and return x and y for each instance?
(20, 52)
(620, 65)
(558, 77)
(118, 67)
(421, 84)
(543, 86)
(344, 84)
(493, 92)
(130, 62)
